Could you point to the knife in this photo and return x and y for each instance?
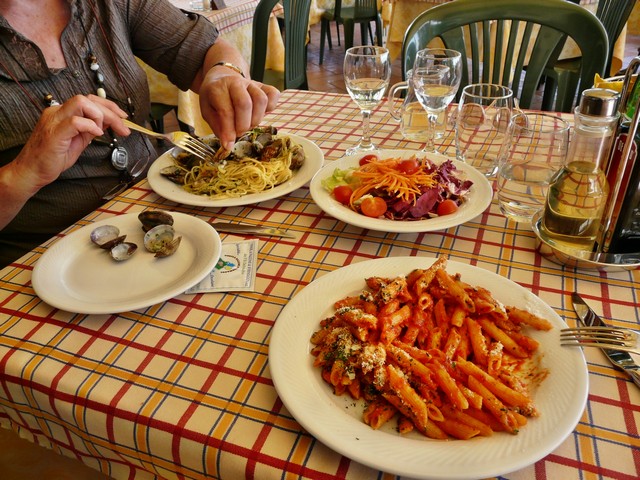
(622, 360)
(239, 228)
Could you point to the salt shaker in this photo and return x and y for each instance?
(578, 191)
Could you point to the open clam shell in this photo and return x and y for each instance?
(123, 251)
(161, 240)
(107, 236)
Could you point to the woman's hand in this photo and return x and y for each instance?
(63, 132)
(57, 141)
(232, 104)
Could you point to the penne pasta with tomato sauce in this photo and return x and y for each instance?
(443, 357)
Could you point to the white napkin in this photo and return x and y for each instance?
(234, 272)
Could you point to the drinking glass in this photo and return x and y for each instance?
(483, 126)
(436, 77)
(367, 71)
(538, 149)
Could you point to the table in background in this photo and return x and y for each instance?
(182, 388)
(403, 12)
(235, 24)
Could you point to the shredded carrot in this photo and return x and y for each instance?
(384, 175)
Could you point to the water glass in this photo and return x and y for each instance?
(412, 117)
(436, 76)
(366, 71)
(538, 149)
(482, 126)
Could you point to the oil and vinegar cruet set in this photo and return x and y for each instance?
(593, 202)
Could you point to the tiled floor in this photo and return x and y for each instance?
(328, 76)
(21, 460)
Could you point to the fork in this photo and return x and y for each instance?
(183, 140)
(624, 339)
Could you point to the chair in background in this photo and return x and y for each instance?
(562, 75)
(296, 28)
(514, 55)
(363, 12)
(614, 15)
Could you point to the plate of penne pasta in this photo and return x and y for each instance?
(427, 368)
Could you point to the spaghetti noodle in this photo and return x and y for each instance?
(251, 168)
(236, 178)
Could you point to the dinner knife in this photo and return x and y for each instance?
(622, 360)
(252, 229)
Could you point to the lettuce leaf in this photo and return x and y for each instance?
(339, 177)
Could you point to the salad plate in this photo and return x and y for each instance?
(336, 421)
(174, 192)
(478, 199)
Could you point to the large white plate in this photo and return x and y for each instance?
(77, 276)
(480, 196)
(335, 421)
(172, 191)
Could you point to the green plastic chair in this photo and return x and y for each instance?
(296, 28)
(463, 24)
(562, 76)
(363, 12)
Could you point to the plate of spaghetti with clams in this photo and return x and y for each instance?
(263, 165)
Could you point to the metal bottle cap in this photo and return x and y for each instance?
(599, 102)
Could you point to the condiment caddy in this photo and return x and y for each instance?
(591, 218)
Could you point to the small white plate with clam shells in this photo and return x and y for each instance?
(76, 275)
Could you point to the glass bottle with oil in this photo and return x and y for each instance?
(578, 192)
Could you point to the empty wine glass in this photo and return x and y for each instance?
(436, 77)
(367, 71)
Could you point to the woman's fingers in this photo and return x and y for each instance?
(231, 105)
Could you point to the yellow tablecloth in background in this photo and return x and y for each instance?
(403, 12)
(235, 26)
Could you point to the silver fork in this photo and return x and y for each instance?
(624, 339)
(180, 139)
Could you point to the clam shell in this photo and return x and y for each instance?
(106, 236)
(161, 240)
(123, 251)
(153, 218)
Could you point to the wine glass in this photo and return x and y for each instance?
(367, 71)
(436, 77)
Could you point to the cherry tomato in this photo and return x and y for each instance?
(342, 193)
(368, 158)
(447, 207)
(373, 207)
(409, 166)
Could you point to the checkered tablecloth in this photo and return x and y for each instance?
(182, 390)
